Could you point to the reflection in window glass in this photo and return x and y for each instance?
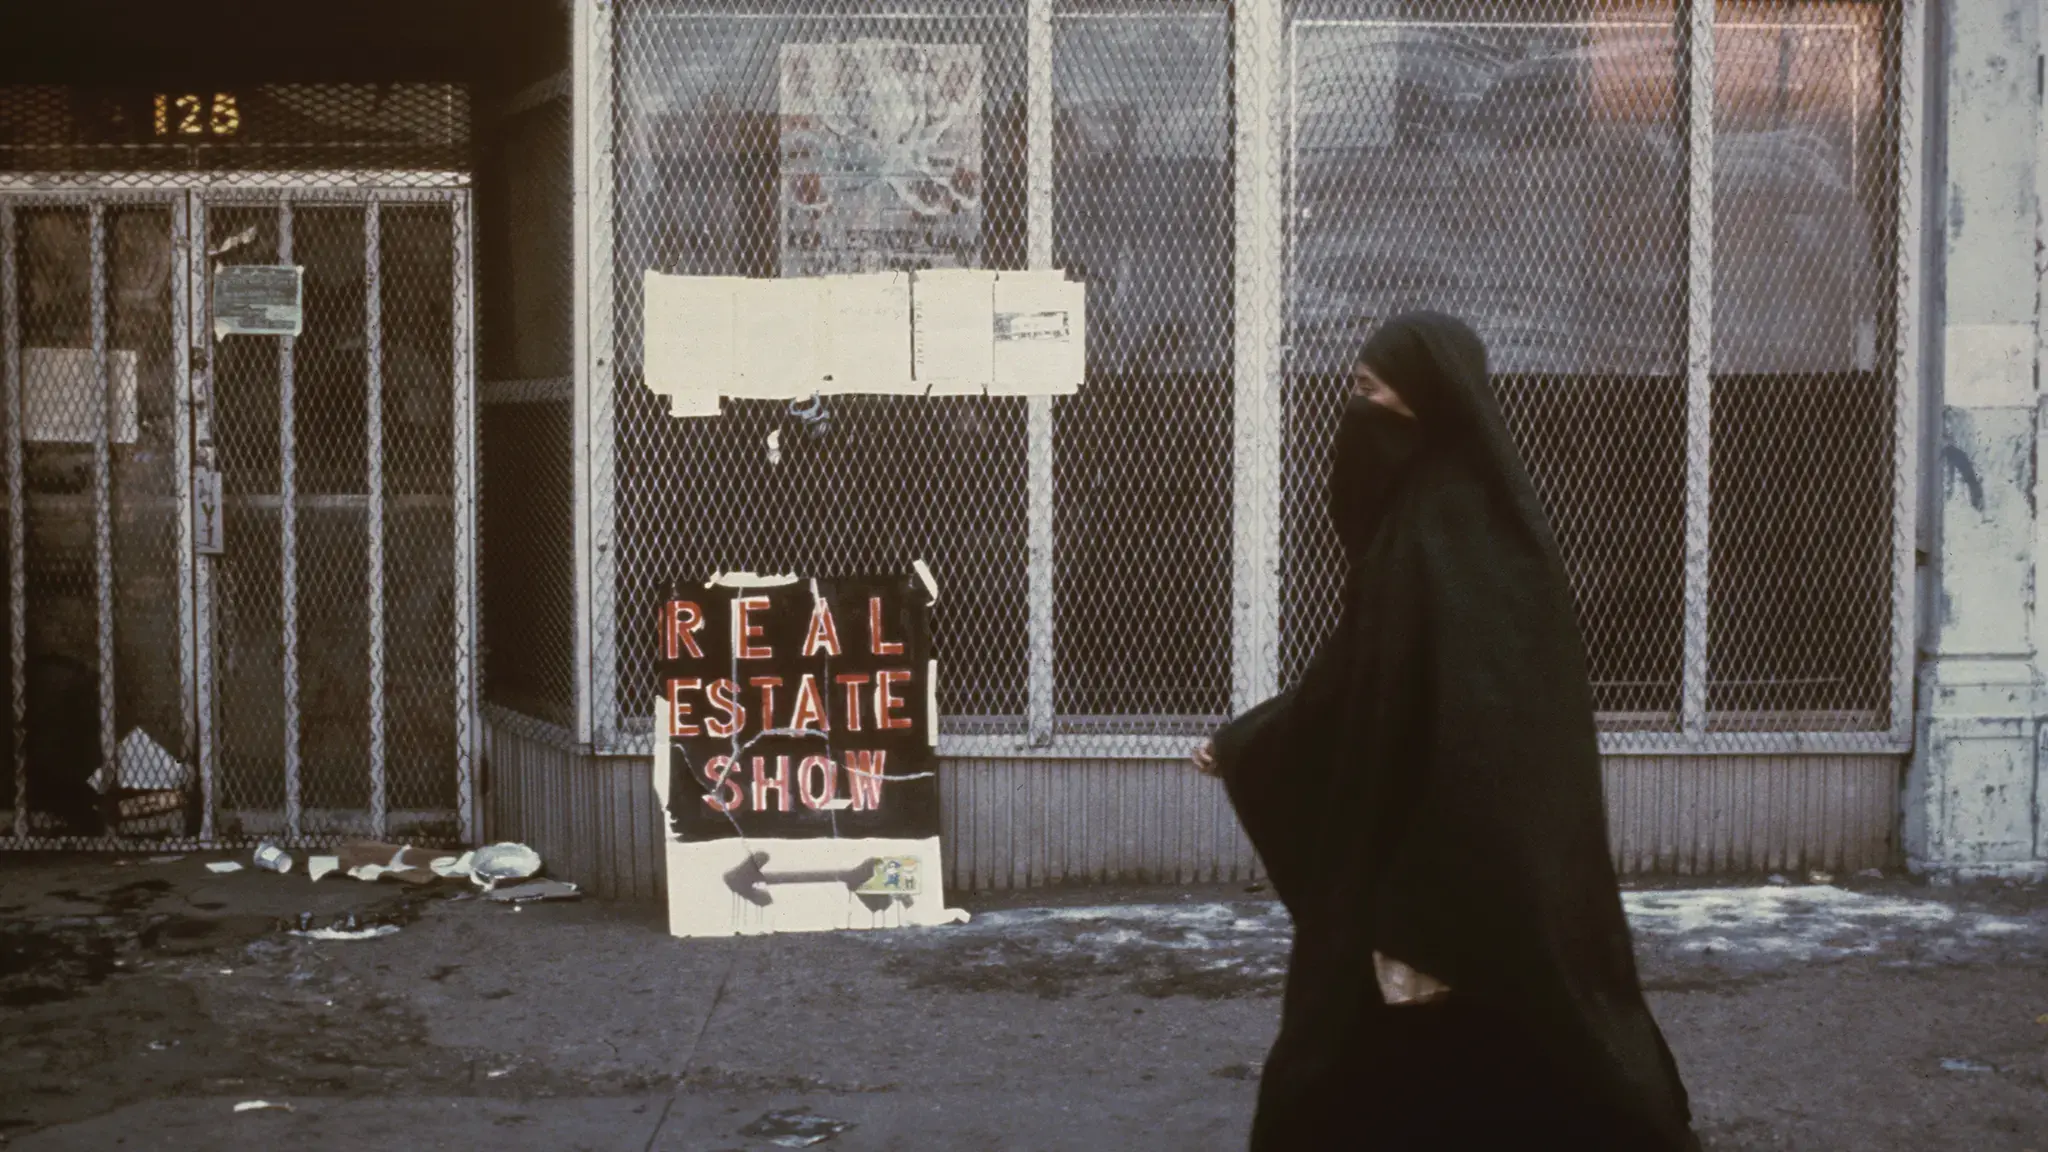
(1800, 631)
(1528, 177)
(1142, 213)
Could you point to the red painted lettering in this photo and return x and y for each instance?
(744, 629)
(767, 685)
(827, 778)
(680, 622)
(718, 773)
(864, 774)
(778, 784)
(725, 697)
(824, 633)
(876, 644)
(853, 682)
(679, 708)
(810, 707)
(886, 699)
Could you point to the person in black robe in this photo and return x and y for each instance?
(1427, 803)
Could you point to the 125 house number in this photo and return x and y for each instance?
(194, 115)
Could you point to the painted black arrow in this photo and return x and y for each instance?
(751, 882)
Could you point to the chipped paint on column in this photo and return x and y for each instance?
(1973, 792)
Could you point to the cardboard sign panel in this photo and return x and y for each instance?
(796, 754)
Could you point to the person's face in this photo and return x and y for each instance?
(1374, 389)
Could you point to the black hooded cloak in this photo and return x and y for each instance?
(1431, 790)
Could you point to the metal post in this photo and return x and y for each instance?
(1906, 372)
(103, 487)
(184, 307)
(1699, 355)
(1260, 236)
(463, 378)
(288, 545)
(373, 488)
(583, 46)
(198, 431)
(1038, 506)
(17, 571)
(604, 663)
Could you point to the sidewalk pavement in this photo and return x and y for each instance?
(140, 1003)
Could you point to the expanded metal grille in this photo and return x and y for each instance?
(313, 679)
(1677, 228)
(267, 127)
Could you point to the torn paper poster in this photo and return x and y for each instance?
(952, 331)
(1041, 330)
(802, 795)
(62, 401)
(880, 156)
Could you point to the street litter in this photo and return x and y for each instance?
(164, 859)
(262, 1106)
(372, 860)
(503, 862)
(494, 1073)
(343, 934)
(448, 867)
(1820, 877)
(2042, 1020)
(318, 866)
(224, 866)
(534, 890)
(346, 928)
(146, 785)
(271, 858)
(1953, 1064)
(794, 1129)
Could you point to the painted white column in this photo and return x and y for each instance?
(1975, 791)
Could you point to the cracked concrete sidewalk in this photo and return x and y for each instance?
(140, 1002)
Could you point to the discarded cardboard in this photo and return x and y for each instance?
(373, 860)
(534, 890)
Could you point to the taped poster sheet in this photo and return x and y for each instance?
(689, 350)
(796, 756)
(952, 323)
(940, 332)
(1040, 327)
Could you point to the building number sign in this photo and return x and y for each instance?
(191, 114)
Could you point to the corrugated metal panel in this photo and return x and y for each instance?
(1032, 822)
(594, 820)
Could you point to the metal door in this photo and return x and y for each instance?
(240, 566)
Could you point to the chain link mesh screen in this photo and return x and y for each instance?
(1525, 165)
(1531, 165)
(90, 359)
(526, 269)
(894, 480)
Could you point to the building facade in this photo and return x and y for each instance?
(1758, 281)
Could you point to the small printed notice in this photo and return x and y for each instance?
(867, 321)
(689, 350)
(1040, 335)
(257, 300)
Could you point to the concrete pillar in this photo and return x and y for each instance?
(1976, 787)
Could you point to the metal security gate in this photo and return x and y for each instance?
(240, 572)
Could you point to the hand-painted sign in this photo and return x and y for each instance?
(795, 753)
